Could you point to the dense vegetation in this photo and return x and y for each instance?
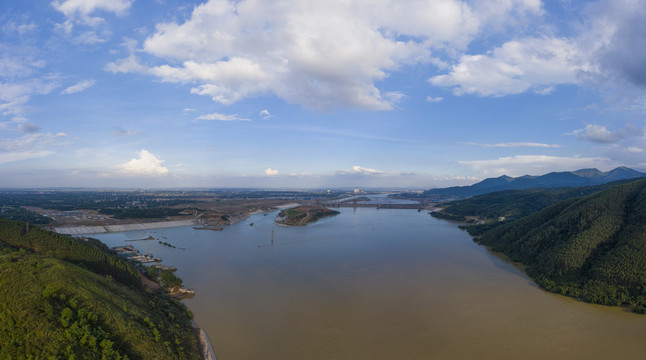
(21, 214)
(62, 298)
(303, 215)
(66, 200)
(591, 247)
(513, 204)
(90, 253)
(166, 277)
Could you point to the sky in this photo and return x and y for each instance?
(317, 94)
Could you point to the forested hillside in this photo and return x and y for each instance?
(592, 248)
(514, 204)
(62, 298)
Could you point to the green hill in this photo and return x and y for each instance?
(303, 215)
(62, 298)
(591, 247)
(513, 204)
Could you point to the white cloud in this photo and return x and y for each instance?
(517, 66)
(596, 133)
(146, 164)
(434, 99)
(221, 117)
(15, 94)
(265, 114)
(71, 8)
(271, 172)
(318, 54)
(29, 146)
(21, 29)
(534, 164)
(600, 134)
(82, 12)
(606, 49)
(634, 149)
(78, 87)
(88, 38)
(358, 170)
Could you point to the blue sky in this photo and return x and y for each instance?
(317, 94)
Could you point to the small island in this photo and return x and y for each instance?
(303, 215)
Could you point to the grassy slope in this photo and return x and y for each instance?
(51, 307)
(593, 247)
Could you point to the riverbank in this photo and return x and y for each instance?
(203, 342)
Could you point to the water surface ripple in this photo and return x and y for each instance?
(377, 284)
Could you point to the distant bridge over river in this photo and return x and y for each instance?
(373, 205)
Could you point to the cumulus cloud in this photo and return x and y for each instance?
(78, 87)
(82, 12)
(607, 48)
(358, 170)
(221, 117)
(318, 54)
(146, 164)
(600, 134)
(534, 164)
(518, 66)
(271, 172)
(86, 7)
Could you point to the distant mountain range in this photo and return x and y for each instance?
(583, 177)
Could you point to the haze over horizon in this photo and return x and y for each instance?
(307, 94)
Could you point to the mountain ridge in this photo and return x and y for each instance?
(576, 178)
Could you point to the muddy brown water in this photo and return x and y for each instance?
(377, 284)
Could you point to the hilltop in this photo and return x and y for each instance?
(578, 178)
(69, 298)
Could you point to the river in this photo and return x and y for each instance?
(377, 284)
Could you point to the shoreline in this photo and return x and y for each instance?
(203, 342)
